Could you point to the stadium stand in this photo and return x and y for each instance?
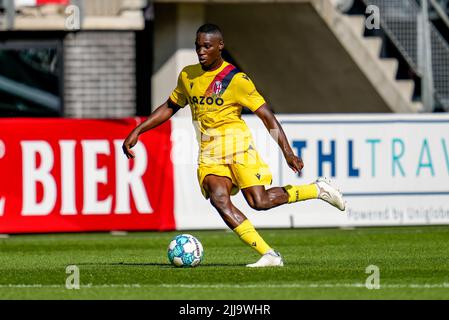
(94, 14)
(97, 55)
(401, 23)
(382, 69)
(340, 42)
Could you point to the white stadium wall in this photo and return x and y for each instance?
(392, 169)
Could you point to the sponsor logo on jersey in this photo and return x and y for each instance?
(202, 100)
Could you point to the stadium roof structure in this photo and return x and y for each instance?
(54, 15)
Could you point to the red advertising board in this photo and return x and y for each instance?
(19, 3)
(66, 175)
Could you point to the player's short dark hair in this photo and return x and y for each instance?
(209, 28)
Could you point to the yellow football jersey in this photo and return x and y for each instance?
(216, 99)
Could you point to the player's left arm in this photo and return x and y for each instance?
(275, 129)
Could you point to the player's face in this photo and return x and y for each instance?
(208, 48)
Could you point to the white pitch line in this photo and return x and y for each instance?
(56, 286)
(298, 285)
(234, 286)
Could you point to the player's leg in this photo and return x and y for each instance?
(253, 174)
(321, 189)
(219, 190)
(260, 199)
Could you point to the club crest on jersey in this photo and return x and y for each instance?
(217, 87)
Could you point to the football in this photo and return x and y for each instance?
(185, 251)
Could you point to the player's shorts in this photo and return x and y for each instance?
(247, 170)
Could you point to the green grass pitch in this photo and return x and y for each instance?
(319, 264)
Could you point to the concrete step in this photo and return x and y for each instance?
(390, 66)
(365, 51)
(374, 44)
(406, 88)
(357, 24)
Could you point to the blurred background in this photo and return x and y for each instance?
(360, 87)
(345, 77)
(120, 58)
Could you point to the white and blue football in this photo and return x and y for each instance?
(185, 251)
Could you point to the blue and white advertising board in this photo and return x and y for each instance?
(392, 169)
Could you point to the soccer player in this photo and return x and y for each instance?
(228, 162)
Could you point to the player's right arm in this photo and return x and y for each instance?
(157, 117)
(164, 112)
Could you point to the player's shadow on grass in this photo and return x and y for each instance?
(154, 264)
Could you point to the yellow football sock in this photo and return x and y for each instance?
(301, 193)
(251, 237)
